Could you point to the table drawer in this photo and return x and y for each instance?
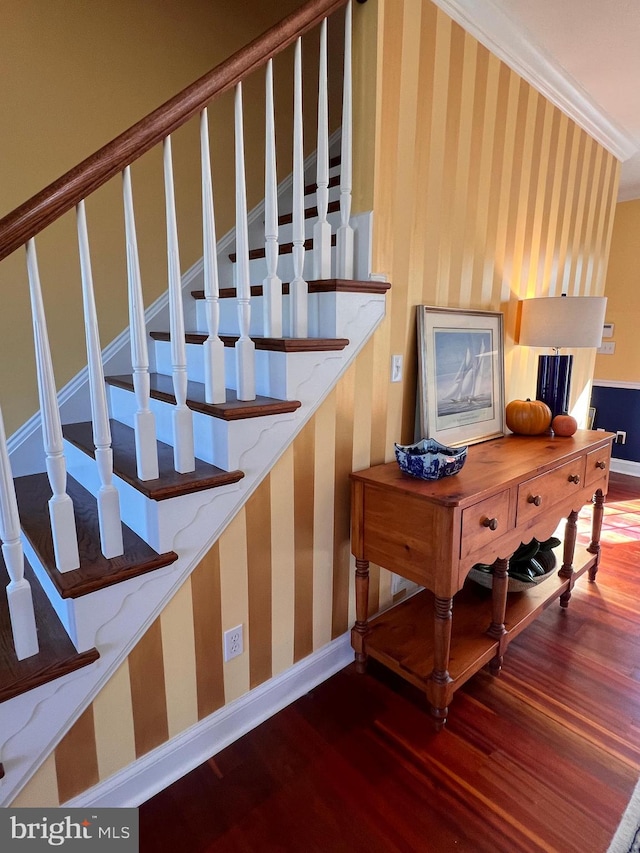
(539, 493)
(598, 462)
(483, 522)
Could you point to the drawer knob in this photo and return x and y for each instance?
(574, 478)
(602, 465)
(491, 523)
(535, 499)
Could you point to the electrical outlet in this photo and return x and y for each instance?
(607, 348)
(233, 645)
(621, 437)
(396, 368)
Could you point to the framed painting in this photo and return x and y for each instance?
(460, 375)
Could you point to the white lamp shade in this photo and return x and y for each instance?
(562, 321)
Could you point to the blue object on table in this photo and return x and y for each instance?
(430, 460)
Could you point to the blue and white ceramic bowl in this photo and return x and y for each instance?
(430, 460)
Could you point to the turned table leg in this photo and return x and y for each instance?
(497, 628)
(440, 678)
(596, 530)
(361, 627)
(570, 533)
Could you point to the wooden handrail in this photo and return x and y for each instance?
(27, 220)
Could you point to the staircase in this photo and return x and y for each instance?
(210, 387)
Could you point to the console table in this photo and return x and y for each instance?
(510, 490)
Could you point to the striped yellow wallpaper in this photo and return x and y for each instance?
(483, 193)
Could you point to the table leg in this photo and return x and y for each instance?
(361, 628)
(570, 533)
(596, 529)
(440, 678)
(497, 628)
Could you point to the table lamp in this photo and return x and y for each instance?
(560, 321)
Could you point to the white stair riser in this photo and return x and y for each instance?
(217, 441)
(229, 316)
(258, 269)
(285, 232)
(157, 522)
(278, 374)
(78, 615)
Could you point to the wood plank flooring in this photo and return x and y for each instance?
(542, 758)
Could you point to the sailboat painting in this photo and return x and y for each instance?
(464, 380)
(461, 375)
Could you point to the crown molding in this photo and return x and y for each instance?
(496, 31)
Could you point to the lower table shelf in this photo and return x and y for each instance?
(402, 637)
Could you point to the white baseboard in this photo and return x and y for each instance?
(150, 774)
(624, 466)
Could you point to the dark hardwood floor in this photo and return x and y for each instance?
(542, 758)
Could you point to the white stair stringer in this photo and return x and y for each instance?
(33, 723)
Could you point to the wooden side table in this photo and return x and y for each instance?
(510, 490)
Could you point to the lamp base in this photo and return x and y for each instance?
(554, 382)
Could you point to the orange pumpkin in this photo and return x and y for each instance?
(528, 417)
(564, 424)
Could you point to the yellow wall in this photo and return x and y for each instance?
(75, 74)
(623, 293)
(483, 193)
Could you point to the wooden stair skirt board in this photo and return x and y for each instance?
(328, 285)
(57, 655)
(170, 483)
(271, 344)
(232, 410)
(96, 571)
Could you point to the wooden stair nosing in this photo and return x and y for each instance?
(283, 249)
(57, 656)
(270, 344)
(170, 483)
(96, 571)
(232, 410)
(328, 285)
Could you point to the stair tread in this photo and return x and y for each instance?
(327, 285)
(170, 483)
(232, 410)
(271, 344)
(57, 655)
(96, 571)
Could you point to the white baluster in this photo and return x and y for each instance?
(322, 229)
(271, 285)
(245, 348)
(20, 600)
(108, 498)
(61, 514)
(344, 236)
(144, 419)
(183, 452)
(298, 289)
(215, 391)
